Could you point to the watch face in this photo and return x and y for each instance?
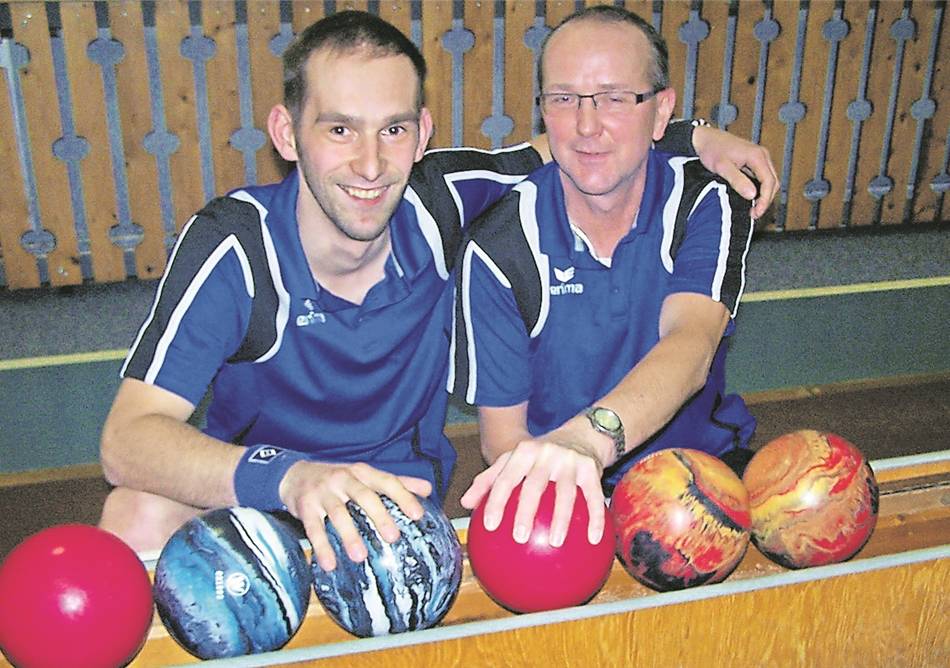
(607, 419)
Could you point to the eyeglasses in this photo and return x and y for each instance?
(608, 101)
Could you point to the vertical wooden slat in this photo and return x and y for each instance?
(171, 27)
(19, 266)
(780, 61)
(872, 130)
(479, 18)
(125, 20)
(223, 102)
(436, 20)
(932, 156)
(745, 70)
(178, 88)
(811, 93)
(903, 138)
(519, 70)
(709, 67)
(263, 22)
(839, 130)
(85, 79)
(675, 14)
(42, 107)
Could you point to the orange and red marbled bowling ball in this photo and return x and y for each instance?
(813, 499)
(682, 519)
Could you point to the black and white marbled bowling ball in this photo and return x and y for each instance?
(231, 582)
(402, 586)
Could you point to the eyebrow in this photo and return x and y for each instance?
(607, 87)
(347, 119)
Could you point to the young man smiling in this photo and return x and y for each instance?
(318, 310)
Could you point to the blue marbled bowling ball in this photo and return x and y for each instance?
(230, 582)
(401, 586)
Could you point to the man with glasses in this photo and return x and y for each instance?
(594, 300)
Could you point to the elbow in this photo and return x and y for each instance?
(109, 458)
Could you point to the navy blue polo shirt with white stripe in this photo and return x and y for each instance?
(293, 365)
(540, 319)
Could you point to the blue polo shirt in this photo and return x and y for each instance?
(541, 320)
(293, 365)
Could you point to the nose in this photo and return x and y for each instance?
(588, 121)
(369, 163)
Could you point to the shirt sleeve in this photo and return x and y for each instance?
(199, 316)
(494, 357)
(712, 257)
(461, 183)
(678, 138)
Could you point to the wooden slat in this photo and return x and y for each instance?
(872, 130)
(42, 109)
(519, 70)
(437, 20)
(675, 14)
(931, 161)
(19, 266)
(135, 109)
(171, 27)
(745, 72)
(839, 133)
(477, 86)
(811, 95)
(710, 59)
(916, 53)
(89, 112)
(267, 90)
(223, 103)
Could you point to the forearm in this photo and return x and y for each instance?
(656, 388)
(166, 456)
(501, 429)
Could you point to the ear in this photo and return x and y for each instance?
(665, 104)
(426, 126)
(280, 126)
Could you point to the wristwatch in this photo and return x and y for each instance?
(607, 422)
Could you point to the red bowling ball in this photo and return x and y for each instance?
(535, 576)
(73, 595)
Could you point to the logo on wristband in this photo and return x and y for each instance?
(264, 454)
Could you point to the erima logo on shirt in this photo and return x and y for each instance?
(564, 276)
(311, 317)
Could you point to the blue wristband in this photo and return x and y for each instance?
(258, 475)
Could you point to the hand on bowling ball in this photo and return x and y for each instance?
(558, 456)
(313, 491)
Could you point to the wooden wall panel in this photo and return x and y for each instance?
(126, 25)
(19, 266)
(519, 70)
(926, 204)
(745, 70)
(223, 103)
(85, 80)
(42, 110)
(436, 21)
(866, 206)
(477, 87)
(178, 91)
(263, 23)
(524, 23)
